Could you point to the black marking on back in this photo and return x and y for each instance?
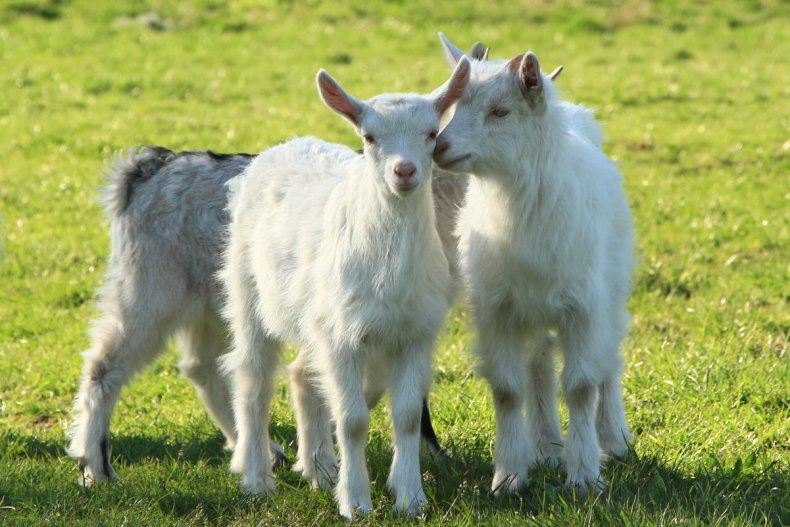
(221, 157)
(147, 161)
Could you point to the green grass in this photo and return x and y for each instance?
(694, 97)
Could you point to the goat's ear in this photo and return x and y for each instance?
(454, 88)
(527, 68)
(514, 64)
(479, 52)
(530, 72)
(556, 73)
(451, 52)
(337, 99)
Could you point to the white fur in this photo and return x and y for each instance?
(545, 244)
(330, 251)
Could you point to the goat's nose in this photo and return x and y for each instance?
(441, 147)
(405, 170)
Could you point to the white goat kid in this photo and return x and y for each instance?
(545, 242)
(338, 253)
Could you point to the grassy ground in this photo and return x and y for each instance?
(694, 96)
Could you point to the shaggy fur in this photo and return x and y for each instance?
(167, 213)
(338, 252)
(545, 244)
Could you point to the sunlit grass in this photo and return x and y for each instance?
(693, 96)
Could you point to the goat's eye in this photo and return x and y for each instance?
(369, 139)
(499, 112)
(432, 135)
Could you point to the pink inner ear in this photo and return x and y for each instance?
(530, 74)
(337, 100)
(456, 88)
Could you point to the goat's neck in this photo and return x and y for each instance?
(379, 214)
(524, 191)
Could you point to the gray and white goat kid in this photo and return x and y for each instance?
(545, 243)
(168, 219)
(338, 252)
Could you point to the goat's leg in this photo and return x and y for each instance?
(252, 365)
(502, 364)
(343, 381)
(201, 343)
(543, 418)
(316, 455)
(613, 432)
(581, 378)
(131, 332)
(409, 381)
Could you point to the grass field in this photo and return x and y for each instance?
(695, 100)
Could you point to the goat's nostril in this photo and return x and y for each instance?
(441, 148)
(405, 170)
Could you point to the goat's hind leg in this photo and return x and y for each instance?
(316, 458)
(128, 336)
(201, 343)
(252, 369)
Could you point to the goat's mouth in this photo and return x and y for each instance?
(449, 163)
(404, 188)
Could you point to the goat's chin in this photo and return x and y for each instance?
(401, 190)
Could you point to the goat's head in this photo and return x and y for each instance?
(399, 130)
(503, 100)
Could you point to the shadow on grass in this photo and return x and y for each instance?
(129, 449)
(641, 489)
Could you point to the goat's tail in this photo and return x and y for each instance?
(135, 166)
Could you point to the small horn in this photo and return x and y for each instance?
(478, 51)
(556, 73)
(485, 54)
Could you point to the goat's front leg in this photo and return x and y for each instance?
(581, 378)
(502, 364)
(343, 384)
(543, 418)
(410, 377)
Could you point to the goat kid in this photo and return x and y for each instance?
(545, 243)
(168, 218)
(338, 253)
